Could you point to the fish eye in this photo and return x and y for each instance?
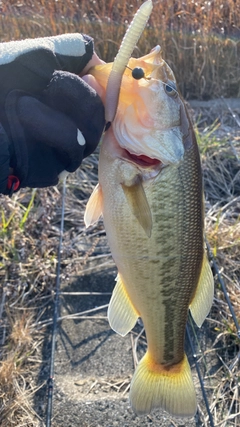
(138, 73)
(170, 89)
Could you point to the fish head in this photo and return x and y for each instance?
(151, 122)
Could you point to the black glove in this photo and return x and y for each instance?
(51, 119)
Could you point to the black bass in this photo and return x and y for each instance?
(151, 197)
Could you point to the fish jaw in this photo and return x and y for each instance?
(130, 173)
(148, 119)
(139, 164)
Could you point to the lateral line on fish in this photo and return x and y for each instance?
(125, 51)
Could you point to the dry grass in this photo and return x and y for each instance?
(200, 40)
(222, 186)
(28, 264)
(28, 256)
(17, 386)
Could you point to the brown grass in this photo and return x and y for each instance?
(28, 279)
(18, 356)
(200, 40)
(222, 187)
(201, 43)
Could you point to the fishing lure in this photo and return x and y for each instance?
(129, 41)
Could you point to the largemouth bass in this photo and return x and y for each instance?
(151, 197)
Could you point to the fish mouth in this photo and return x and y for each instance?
(143, 160)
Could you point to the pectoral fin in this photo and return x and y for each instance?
(94, 207)
(203, 298)
(122, 315)
(139, 206)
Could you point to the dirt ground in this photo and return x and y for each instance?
(93, 365)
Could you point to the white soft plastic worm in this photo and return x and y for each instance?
(125, 51)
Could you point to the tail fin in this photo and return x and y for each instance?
(170, 388)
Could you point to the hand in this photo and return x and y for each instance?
(50, 118)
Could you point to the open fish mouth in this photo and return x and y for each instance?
(143, 160)
(148, 167)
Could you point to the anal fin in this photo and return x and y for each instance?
(203, 298)
(122, 315)
(94, 207)
(139, 206)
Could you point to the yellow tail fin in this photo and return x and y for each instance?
(170, 388)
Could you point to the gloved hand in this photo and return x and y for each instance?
(50, 118)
